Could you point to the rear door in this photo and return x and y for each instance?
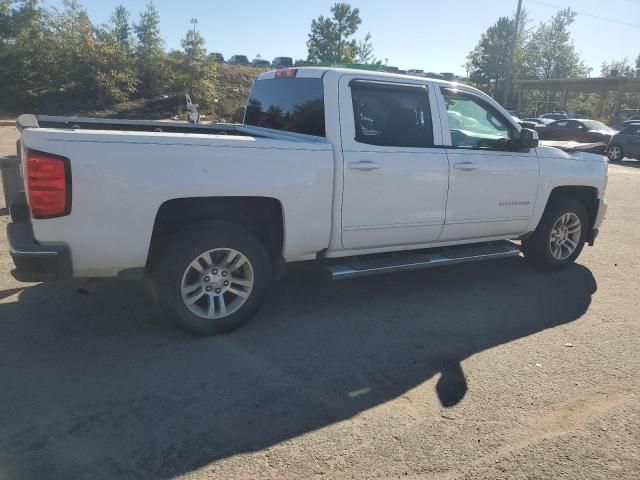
(577, 131)
(629, 139)
(395, 179)
(492, 188)
(557, 130)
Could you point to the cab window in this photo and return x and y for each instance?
(391, 115)
(475, 124)
(631, 130)
(289, 104)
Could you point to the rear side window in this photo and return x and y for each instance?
(391, 115)
(631, 130)
(288, 104)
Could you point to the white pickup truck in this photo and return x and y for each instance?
(365, 172)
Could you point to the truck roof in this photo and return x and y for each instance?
(318, 72)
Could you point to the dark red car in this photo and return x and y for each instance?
(579, 130)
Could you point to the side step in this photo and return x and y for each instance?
(412, 260)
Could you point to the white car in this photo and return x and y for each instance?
(365, 172)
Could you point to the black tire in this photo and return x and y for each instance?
(609, 153)
(186, 246)
(537, 248)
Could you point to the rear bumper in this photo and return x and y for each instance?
(35, 262)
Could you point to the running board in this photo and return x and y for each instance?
(412, 260)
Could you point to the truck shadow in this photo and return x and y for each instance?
(95, 388)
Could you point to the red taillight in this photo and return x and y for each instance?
(286, 73)
(48, 185)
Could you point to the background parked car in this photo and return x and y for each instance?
(538, 121)
(259, 62)
(282, 62)
(529, 124)
(218, 57)
(579, 130)
(625, 144)
(632, 119)
(239, 60)
(555, 116)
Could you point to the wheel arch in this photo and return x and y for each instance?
(587, 195)
(264, 216)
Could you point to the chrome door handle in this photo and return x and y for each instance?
(465, 166)
(364, 165)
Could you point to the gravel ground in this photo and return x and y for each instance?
(483, 371)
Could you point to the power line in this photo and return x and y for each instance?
(620, 22)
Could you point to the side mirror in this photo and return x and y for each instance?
(528, 139)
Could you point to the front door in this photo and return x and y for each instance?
(492, 188)
(395, 180)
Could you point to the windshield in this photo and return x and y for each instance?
(595, 125)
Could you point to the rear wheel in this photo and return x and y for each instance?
(212, 278)
(560, 235)
(614, 152)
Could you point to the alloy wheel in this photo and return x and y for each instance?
(565, 236)
(217, 283)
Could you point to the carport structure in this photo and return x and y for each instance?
(601, 85)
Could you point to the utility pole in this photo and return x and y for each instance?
(514, 43)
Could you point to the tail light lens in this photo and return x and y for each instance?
(48, 185)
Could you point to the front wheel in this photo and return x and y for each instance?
(211, 278)
(614, 153)
(560, 235)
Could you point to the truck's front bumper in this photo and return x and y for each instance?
(35, 262)
(600, 214)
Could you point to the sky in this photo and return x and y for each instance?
(435, 36)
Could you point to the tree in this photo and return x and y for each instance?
(150, 55)
(15, 15)
(193, 71)
(322, 43)
(618, 67)
(120, 26)
(551, 52)
(545, 52)
(115, 60)
(27, 55)
(365, 51)
(330, 39)
(346, 21)
(488, 62)
(638, 66)
(75, 50)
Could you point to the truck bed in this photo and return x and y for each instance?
(122, 172)
(85, 123)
